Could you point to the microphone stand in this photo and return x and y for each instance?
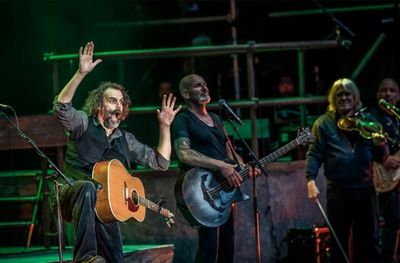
(335, 20)
(57, 172)
(255, 163)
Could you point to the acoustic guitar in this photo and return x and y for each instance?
(204, 196)
(386, 179)
(122, 196)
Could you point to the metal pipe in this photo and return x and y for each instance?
(368, 56)
(247, 104)
(251, 86)
(235, 60)
(331, 10)
(301, 75)
(215, 50)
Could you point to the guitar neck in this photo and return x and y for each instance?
(153, 206)
(273, 156)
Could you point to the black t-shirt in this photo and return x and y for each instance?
(210, 141)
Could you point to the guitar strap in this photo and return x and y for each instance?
(235, 155)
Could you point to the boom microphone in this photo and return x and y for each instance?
(229, 112)
(390, 107)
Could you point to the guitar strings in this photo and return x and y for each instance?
(244, 173)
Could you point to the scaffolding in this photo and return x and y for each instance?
(234, 50)
(222, 50)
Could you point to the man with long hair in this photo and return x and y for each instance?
(347, 157)
(94, 135)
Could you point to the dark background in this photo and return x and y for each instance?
(30, 28)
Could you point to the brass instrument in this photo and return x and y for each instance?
(367, 129)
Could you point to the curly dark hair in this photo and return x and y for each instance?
(95, 99)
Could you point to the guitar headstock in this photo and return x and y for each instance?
(304, 136)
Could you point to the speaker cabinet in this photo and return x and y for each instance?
(309, 245)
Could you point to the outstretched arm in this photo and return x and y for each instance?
(165, 117)
(86, 65)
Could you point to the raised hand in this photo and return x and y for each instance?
(167, 113)
(86, 63)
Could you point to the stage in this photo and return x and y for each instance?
(282, 202)
(133, 253)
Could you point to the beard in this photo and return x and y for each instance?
(112, 119)
(201, 99)
(204, 99)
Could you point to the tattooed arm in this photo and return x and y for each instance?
(194, 158)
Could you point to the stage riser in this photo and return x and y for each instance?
(282, 202)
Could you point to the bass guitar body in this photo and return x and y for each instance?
(205, 199)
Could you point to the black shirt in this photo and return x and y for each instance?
(210, 141)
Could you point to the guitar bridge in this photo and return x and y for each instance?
(126, 193)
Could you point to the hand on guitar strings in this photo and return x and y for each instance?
(232, 176)
(256, 172)
(391, 163)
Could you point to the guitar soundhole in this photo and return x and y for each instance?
(133, 202)
(135, 198)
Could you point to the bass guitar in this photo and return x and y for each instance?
(122, 196)
(204, 197)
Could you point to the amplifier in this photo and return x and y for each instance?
(309, 245)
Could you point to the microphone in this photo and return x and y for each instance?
(3, 106)
(390, 107)
(229, 111)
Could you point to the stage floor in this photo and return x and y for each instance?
(132, 253)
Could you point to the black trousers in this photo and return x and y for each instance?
(354, 211)
(91, 236)
(216, 244)
(390, 210)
